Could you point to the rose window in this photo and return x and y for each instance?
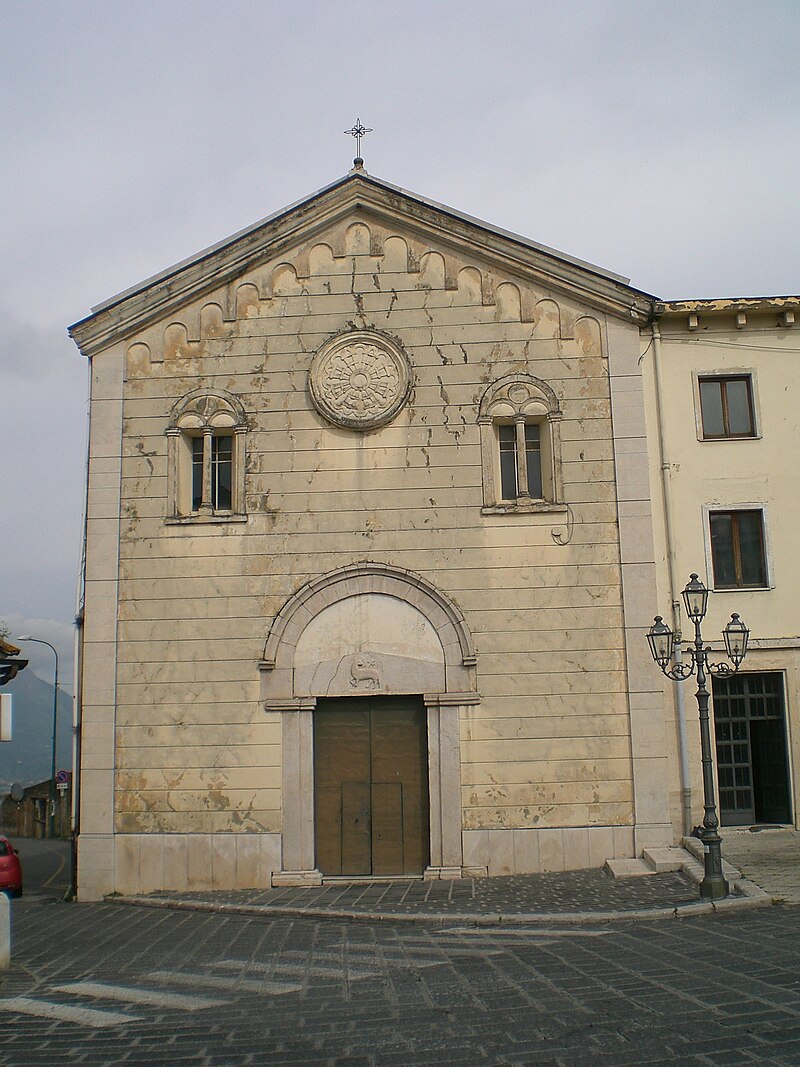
(359, 379)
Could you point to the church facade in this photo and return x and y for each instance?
(369, 560)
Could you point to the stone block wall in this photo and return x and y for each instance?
(549, 745)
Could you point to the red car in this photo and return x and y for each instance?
(10, 869)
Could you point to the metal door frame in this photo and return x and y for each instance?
(786, 747)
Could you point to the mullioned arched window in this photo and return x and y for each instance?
(206, 457)
(520, 420)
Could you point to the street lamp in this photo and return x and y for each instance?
(52, 804)
(662, 641)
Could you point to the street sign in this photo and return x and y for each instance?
(62, 787)
(63, 777)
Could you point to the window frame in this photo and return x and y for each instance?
(207, 463)
(206, 415)
(520, 400)
(736, 509)
(725, 375)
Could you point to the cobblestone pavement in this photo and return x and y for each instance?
(100, 984)
(770, 857)
(543, 894)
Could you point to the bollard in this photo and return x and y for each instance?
(5, 932)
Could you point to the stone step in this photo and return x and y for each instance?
(663, 860)
(694, 846)
(653, 861)
(623, 868)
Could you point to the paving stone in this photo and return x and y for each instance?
(770, 857)
(547, 894)
(709, 990)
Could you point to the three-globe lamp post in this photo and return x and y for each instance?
(662, 643)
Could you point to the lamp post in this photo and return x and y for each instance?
(662, 641)
(52, 803)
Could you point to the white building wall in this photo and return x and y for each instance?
(757, 338)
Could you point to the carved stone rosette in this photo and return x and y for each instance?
(359, 379)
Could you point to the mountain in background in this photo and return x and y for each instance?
(27, 758)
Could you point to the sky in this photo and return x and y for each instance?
(655, 139)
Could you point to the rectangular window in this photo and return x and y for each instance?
(726, 407)
(737, 549)
(512, 479)
(221, 489)
(197, 473)
(221, 473)
(533, 454)
(508, 462)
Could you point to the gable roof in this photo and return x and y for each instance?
(128, 311)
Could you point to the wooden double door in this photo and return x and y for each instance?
(371, 786)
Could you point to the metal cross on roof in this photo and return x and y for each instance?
(358, 131)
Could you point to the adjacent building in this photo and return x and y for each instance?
(377, 520)
(722, 377)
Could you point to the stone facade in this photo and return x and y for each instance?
(299, 490)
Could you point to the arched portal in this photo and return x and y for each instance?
(372, 631)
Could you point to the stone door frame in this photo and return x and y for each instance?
(297, 734)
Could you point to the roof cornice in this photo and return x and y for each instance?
(128, 312)
(725, 305)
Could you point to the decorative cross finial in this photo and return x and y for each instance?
(358, 131)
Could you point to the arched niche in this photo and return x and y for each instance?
(547, 319)
(369, 643)
(387, 610)
(357, 239)
(176, 341)
(212, 322)
(588, 334)
(432, 270)
(508, 302)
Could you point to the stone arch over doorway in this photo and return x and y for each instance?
(403, 593)
(368, 629)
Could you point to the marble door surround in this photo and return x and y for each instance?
(368, 629)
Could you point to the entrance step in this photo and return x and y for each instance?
(628, 868)
(281, 879)
(695, 847)
(653, 861)
(663, 860)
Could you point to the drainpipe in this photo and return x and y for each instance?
(680, 706)
(77, 691)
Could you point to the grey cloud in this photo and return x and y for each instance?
(652, 139)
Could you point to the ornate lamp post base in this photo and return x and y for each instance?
(714, 889)
(714, 885)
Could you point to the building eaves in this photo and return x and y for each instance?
(728, 304)
(206, 253)
(121, 314)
